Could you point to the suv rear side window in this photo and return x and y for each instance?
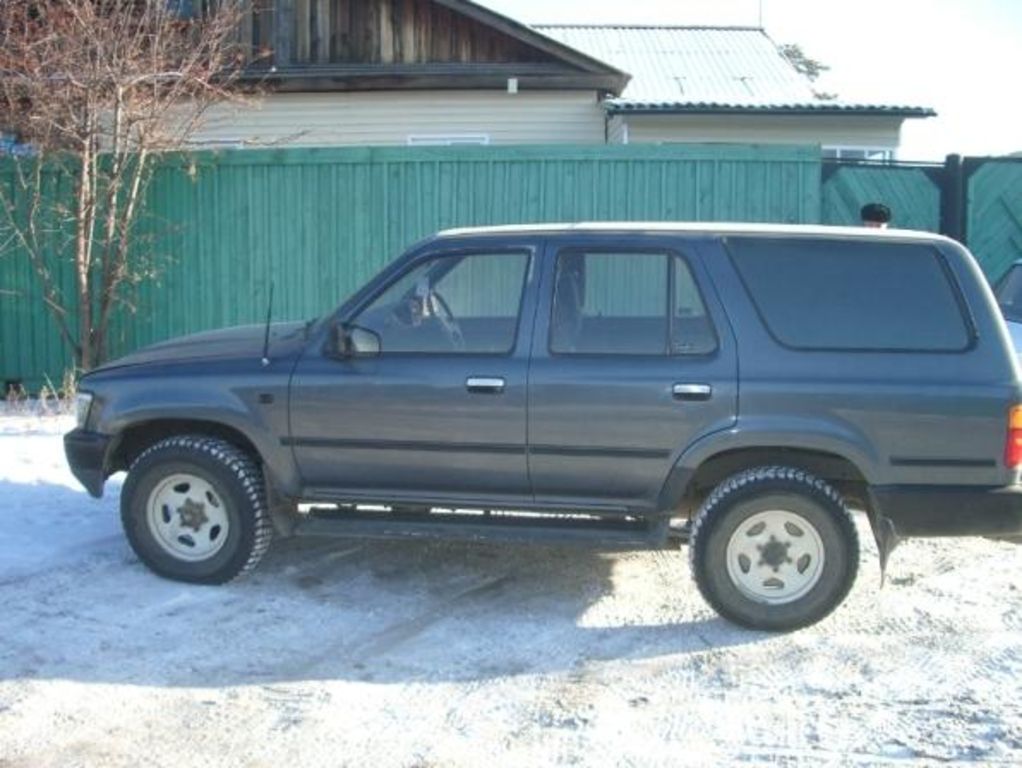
(853, 296)
(621, 303)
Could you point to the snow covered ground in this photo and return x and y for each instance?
(412, 654)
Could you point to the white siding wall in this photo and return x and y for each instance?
(828, 130)
(389, 118)
(528, 117)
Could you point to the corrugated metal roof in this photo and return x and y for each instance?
(704, 69)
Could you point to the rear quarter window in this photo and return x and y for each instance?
(856, 296)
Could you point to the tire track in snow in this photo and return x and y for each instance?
(65, 559)
(396, 634)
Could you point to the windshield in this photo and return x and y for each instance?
(1009, 293)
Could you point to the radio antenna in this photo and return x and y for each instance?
(266, 336)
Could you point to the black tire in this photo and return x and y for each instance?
(236, 479)
(761, 490)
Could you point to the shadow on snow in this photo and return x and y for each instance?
(383, 611)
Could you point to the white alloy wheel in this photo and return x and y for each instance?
(187, 517)
(775, 557)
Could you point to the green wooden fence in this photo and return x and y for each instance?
(911, 193)
(319, 222)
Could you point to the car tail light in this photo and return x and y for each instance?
(1013, 447)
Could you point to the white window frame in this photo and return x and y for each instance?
(861, 153)
(447, 139)
(214, 143)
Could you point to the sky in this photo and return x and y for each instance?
(961, 57)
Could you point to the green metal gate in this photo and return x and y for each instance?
(994, 213)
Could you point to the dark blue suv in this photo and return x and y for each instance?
(737, 387)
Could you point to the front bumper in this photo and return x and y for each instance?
(86, 455)
(936, 510)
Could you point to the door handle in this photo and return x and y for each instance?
(487, 385)
(692, 391)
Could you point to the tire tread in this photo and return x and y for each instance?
(770, 476)
(250, 477)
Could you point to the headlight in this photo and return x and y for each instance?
(83, 402)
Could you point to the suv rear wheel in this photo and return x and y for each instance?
(194, 509)
(774, 548)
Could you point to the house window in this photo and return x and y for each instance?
(865, 154)
(216, 143)
(447, 139)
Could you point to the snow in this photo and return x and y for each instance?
(407, 653)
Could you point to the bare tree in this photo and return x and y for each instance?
(94, 91)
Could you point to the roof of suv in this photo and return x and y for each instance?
(708, 228)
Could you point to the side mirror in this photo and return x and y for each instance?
(354, 341)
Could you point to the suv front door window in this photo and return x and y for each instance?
(465, 303)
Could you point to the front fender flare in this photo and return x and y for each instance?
(276, 460)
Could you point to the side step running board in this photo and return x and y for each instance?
(561, 529)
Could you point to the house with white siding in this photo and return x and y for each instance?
(727, 84)
(446, 72)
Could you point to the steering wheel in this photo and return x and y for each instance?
(447, 321)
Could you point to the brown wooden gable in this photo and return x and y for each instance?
(392, 44)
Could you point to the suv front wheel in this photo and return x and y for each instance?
(194, 509)
(774, 548)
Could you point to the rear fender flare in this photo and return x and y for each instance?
(767, 433)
